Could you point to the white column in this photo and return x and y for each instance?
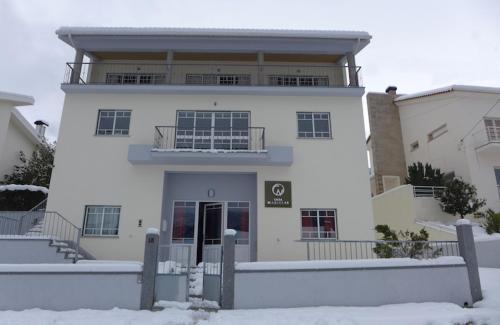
(260, 69)
(351, 66)
(77, 67)
(170, 58)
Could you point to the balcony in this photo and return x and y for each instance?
(228, 75)
(173, 138)
(487, 137)
(210, 146)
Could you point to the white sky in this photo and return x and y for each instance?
(416, 45)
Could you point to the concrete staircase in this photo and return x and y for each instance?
(33, 250)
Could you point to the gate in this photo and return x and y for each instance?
(212, 273)
(172, 276)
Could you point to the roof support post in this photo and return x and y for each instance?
(260, 69)
(77, 67)
(353, 74)
(170, 59)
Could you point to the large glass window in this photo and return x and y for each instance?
(212, 130)
(101, 220)
(238, 218)
(184, 222)
(319, 223)
(313, 125)
(113, 122)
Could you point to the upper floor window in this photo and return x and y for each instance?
(135, 78)
(101, 220)
(298, 81)
(314, 125)
(319, 223)
(492, 129)
(437, 132)
(218, 79)
(113, 122)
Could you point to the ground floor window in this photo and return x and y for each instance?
(319, 223)
(184, 222)
(101, 220)
(238, 218)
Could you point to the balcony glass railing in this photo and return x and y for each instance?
(213, 74)
(174, 138)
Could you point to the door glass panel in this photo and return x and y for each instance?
(213, 224)
(184, 222)
(238, 218)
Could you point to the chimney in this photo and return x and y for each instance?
(391, 90)
(40, 127)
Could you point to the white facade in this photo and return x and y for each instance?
(449, 126)
(92, 169)
(16, 134)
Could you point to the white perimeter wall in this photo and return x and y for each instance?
(325, 173)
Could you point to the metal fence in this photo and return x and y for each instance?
(233, 139)
(212, 272)
(274, 75)
(372, 249)
(20, 222)
(428, 191)
(174, 259)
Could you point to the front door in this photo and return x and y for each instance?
(213, 222)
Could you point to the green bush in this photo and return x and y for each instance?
(404, 244)
(492, 222)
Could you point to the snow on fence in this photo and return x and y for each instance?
(70, 286)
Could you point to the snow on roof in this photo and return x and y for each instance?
(15, 187)
(16, 99)
(447, 89)
(240, 32)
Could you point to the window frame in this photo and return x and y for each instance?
(313, 126)
(302, 238)
(102, 221)
(113, 134)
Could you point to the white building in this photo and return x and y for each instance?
(454, 128)
(16, 133)
(196, 130)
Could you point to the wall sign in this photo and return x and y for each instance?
(278, 194)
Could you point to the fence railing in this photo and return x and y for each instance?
(42, 224)
(189, 139)
(274, 75)
(212, 259)
(372, 249)
(428, 191)
(174, 259)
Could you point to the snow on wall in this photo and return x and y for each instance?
(16, 187)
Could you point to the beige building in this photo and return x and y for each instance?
(16, 133)
(193, 131)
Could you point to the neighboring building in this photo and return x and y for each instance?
(454, 128)
(16, 133)
(193, 131)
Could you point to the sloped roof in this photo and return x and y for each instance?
(447, 89)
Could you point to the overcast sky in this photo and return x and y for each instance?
(416, 45)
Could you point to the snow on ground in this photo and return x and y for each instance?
(485, 312)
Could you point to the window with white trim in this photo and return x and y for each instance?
(298, 81)
(313, 125)
(319, 223)
(113, 122)
(101, 220)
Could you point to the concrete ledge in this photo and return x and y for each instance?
(139, 154)
(211, 90)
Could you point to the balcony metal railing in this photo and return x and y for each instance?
(174, 138)
(493, 133)
(428, 191)
(213, 74)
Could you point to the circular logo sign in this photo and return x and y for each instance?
(278, 189)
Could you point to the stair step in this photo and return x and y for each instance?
(72, 255)
(66, 250)
(58, 244)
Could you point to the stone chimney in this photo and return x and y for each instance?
(391, 90)
(40, 127)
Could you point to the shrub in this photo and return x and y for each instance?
(492, 222)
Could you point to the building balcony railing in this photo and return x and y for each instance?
(487, 136)
(192, 139)
(212, 75)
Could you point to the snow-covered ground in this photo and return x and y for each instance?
(484, 312)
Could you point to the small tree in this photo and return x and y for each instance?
(35, 170)
(420, 175)
(492, 222)
(404, 244)
(460, 198)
